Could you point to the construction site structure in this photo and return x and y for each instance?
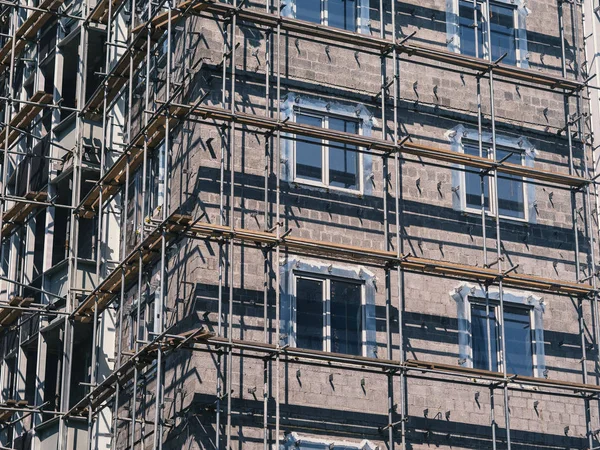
(299, 224)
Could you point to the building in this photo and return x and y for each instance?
(311, 224)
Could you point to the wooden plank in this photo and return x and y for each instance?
(19, 212)
(100, 12)
(23, 118)
(430, 152)
(381, 257)
(28, 30)
(4, 312)
(115, 176)
(304, 28)
(150, 249)
(14, 314)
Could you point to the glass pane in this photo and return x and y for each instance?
(346, 320)
(517, 328)
(309, 314)
(342, 14)
(140, 334)
(511, 200)
(343, 162)
(151, 317)
(132, 336)
(309, 10)
(473, 182)
(309, 159)
(466, 26)
(502, 25)
(479, 338)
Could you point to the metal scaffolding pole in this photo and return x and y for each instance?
(232, 236)
(498, 237)
(140, 280)
(164, 286)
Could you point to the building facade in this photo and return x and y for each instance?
(312, 224)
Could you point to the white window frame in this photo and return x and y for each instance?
(466, 294)
(298, 442)
(326, 298)
(494, 305)
(157, 184)
(324, 183)
(520, 12)
(461, 135)
(492, 185)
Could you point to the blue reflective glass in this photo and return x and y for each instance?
(502, 24)
(467, 29)
(343, 159)
(309, 151)
(517, 328)
(479, 338)
(473, 181)
(511, 199)
(309, 10)
(342, 14)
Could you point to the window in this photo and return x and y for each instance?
(329, 315)
(511, 192)
(335, 13)
(156, 180)
(327, 164)
(299, 442)
(145, 330)
(328, 307)
(523, 326)
(518, 332)
(473, 29)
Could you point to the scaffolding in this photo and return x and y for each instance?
(130, 44)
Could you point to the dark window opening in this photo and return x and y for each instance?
(80, 372)
(328, 163)
(40, 236)
(519, 339)
(329, 315)
(510, 188)
(96, 62)
(309, 313)
(472, 29)
(52, 375)
(31, 372)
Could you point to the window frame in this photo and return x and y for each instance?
(499, 318)
(492, 187)
(325, 146)
(298, 441)
(464, 294)
(147, 306)
(460, 135)
(326, 300)
(520, 13)
(156, 181)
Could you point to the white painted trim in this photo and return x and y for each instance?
(462, 295)
(313, 269)
(520, 144)
(295, 441)
(520, 24)
(321, 107)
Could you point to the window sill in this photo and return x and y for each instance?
(300, 183)
(477, 213)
